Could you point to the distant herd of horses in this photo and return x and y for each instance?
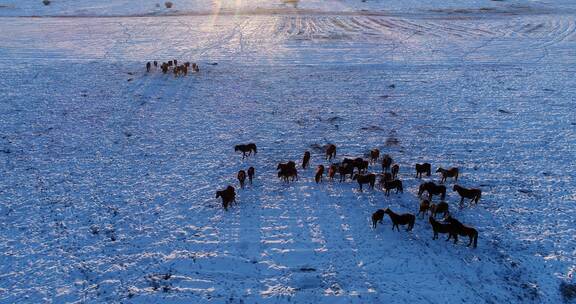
(357, 170)
(177, 70)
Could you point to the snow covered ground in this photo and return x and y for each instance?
(109, 173)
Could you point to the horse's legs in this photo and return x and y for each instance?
(461, 202)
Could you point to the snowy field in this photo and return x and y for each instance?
(109, 173)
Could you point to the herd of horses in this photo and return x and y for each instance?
(357, 170)
(177, 70)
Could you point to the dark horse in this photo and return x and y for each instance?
(241, 178)
(377, 216)
(330, 151)
(424, 207)
(345, 169)
(251, 173)
(374, 155)
(319, 173)
(438, 227)
(228, 196)
(432, 189)
(394, 184)
(395, 169)
(369, 179)
(332, 171)
(386, 162)
(442, 207)
(473, 194)
(423, 168)
(246, 149)
(452, 172)
(463, 230)
(287, 170)
(305, 160)
(403, 219)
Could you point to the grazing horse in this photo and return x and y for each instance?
(241, 178)
(423, 168)
(452, 172)
(228, 196)
(386, 163)
(305, 160)
(344, 170)
(432, 189)
(441, 207)
(393, 184)
(424, 207)
(251, 172)
(155, 63)
(377, 216)
(403, 219)
(463, 230)
(148, 66)
(473, 194)
(286, 166)
(288, 172)
(369, 179)
(246, 149)
(332, 171)
(319, 173)
(438, 227)
(395, 170)
(330, 152)
(358, 162)
(374, 155)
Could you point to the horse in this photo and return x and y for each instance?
(369, 179)
(438, 227)
(330, 152)
(319, 173)
(248, 148)
(395, 170)
(374, 155)
(241, 178)
(377, 216)
(170, 63)
(424, 207)
(423, 168)
(473, 194)
(187, 64)
(155, 63)
(175, 62)
(305, 159)
(441, 207)
(332, 171)
(251, 172)
(345, 169)
(195, 67)
(148, 66)
(403, 219)
(286, 166)
(394, 184)
(463, 230)
(452, 172)
(386, 162)
(358, 162)
(184, 70)
(288, 172)
(228, 196)
(432, 189)
(164, 68)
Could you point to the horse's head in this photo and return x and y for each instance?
(387, 211)
(231, 189)
(236, 148)
(218, 194)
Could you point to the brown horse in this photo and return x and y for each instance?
(374, 155)
(305, 160)
(332, 171)
(441, 207)
(424, 207)
(463, 230)
(394, 184)
(369, 179)
(286, 166)
(452, 172)
(228, 196)
(345, 169)
(473, 194)
(319, 173)
(241, 178)
(377, 216)
(148, 66)
(423, 168)
(287, 173)
(438, 227)
(246, 149)
(395, 170)
(386, 162)
(155, 63)
(251, 172)
(401, 219)
(432, 189)
(330, 152)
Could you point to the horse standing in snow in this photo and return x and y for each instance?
(332, 171)
(319, 173)
(246, 149)
(369, 179)
(374, 155)
(424, 207)
(228, 196)
(148, 66)
(251, 172)
(463, 230)
(393, 184)
(386, 163)
(377, 216)
(423, 168)
(305, 159)
(473, 194)
(395, 170)
(432, 189)
(441, 207)
(330, 152)
(241, 178)
(438, 227)
(401, 219)
(452, 172)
